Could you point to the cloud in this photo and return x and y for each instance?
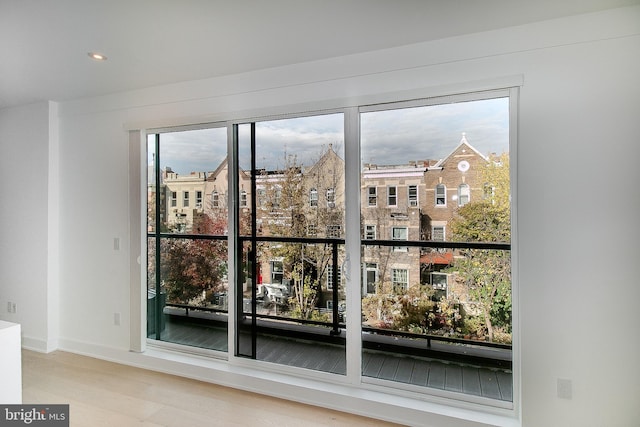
(432, 132)
(193, 151)
(387, 137)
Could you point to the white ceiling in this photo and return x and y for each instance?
(44, 43)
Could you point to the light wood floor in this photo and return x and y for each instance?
(108, 394)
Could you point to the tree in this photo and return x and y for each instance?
(290, 214)
(486, 274)
(192, 268)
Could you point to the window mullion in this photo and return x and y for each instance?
(352, 269)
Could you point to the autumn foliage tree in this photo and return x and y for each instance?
(191, 268)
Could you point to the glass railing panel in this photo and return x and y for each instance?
(191, 307)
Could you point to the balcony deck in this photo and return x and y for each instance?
(493, 383)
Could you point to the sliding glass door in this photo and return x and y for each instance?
(291, 296)
(187, 281)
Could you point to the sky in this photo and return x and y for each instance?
(387, 137)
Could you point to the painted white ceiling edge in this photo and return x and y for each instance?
(44, 44)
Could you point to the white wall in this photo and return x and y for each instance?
(24, 258)
(577, 195)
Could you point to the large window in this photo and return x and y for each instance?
(449, 296)
(280, 252)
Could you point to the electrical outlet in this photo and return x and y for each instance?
(564, 388)
(12, 307)
(116, 319)
(116, 243)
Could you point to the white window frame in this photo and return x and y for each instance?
(185, 199)
(392, 200)
(372, 196)
(174, 199)
(394, 282)
(367, 267)
(313, 198)
(331, 197)
(352, 246)
(412, 200)
(330, 277)
(406, 237)
(464, 191)
(443, 197)
(433, 233)
(334, 230)
(312, 230)
(370, 232)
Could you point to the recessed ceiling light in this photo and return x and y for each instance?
(97, 56)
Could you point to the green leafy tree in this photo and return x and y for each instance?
(486, 274)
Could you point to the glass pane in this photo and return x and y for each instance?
(187, 264)
(294, 304)
(194, 178)
(438, 316)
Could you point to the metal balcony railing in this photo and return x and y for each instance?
(442, 347)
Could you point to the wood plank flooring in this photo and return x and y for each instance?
(102, 393)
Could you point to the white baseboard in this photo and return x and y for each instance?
(38, 344)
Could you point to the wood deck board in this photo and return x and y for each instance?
(453, 378)
(489, 384)
(506, 385)
(419, 371)
(437, 375)
(404, 369)
(471, 381)
(372, 364)
(420, 374)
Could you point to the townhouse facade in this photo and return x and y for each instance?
(411, 202)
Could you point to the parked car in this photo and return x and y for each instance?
(273, 292)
